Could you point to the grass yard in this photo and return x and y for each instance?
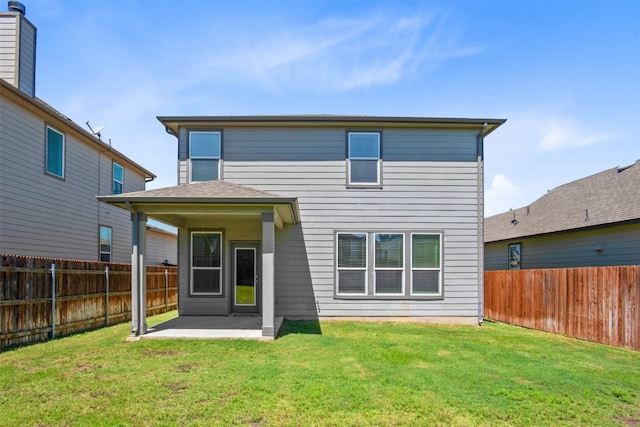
(350, 374)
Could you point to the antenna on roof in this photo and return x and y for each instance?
(96, 131)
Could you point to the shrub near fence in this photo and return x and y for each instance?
(41, 298)
(600, 304)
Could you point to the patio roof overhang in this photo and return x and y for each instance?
(177, 205)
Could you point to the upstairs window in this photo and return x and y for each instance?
(105, 244)
(204, 153)
(54, 153)
(364, 163)
(118, 178)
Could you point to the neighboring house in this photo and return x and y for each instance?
(51, 169)
(594, 221)
(308, 217)
(162, 246)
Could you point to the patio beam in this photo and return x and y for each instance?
(268, 274)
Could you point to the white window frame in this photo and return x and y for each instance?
(376, 268)
(439, 268)
(218, 157)
(192, 268)
(101, 252)
(114, 180)
(365, 268)
(356, 184)
(46, 150)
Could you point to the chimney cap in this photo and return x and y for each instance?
(16, 6)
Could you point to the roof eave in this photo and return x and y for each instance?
(173, 123)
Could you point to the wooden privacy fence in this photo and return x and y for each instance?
(43, 298)
(600, 304)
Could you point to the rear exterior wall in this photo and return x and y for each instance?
(431, 182)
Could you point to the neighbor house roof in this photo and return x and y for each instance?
(611, 196)
(64, 123)
(484, 126)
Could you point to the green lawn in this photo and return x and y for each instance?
(331, 374)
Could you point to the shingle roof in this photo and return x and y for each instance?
(611, 196)
(207, 191)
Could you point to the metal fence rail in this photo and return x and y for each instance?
(599, 304)
(44, 298)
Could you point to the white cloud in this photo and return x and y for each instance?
(568, 134)
(338, 54)
(501, 196)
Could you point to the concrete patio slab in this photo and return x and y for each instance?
(211, 327)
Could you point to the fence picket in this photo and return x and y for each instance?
(599, 304)
(87, 295)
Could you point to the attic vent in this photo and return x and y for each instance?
(17, 7)
(624, 168)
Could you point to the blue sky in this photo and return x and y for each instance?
(565, 74)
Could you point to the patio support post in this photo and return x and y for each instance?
(138, 274)
(268, 275)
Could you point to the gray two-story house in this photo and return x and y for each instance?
(322, 216)
(51, 168)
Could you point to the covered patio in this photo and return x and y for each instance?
(226, 225)
(212, 327)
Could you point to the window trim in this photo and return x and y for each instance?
(218, 158)
(192, 268)
(349, 183)
(100, 251)
(407, 267)
(46, 152)
(365, 269)
(401, 269)
(439, 269)
(114, 180)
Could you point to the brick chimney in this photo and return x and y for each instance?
(18, 49)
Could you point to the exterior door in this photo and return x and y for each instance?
(246, 284)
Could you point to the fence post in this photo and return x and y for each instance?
(53, 301)
(166, 290)
(106, 310)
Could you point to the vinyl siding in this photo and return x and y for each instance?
(430, 183)
(161, 247)
(41, 215)
(17, 52)
(27, 70)
(8, 45)
(621, 245)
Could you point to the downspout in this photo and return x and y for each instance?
(480, 157)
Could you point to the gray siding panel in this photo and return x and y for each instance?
(417, 195)
(161, 248)
(8, 45)
(27, 70)
(430, 183)
(621, 246)
(41, 215)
